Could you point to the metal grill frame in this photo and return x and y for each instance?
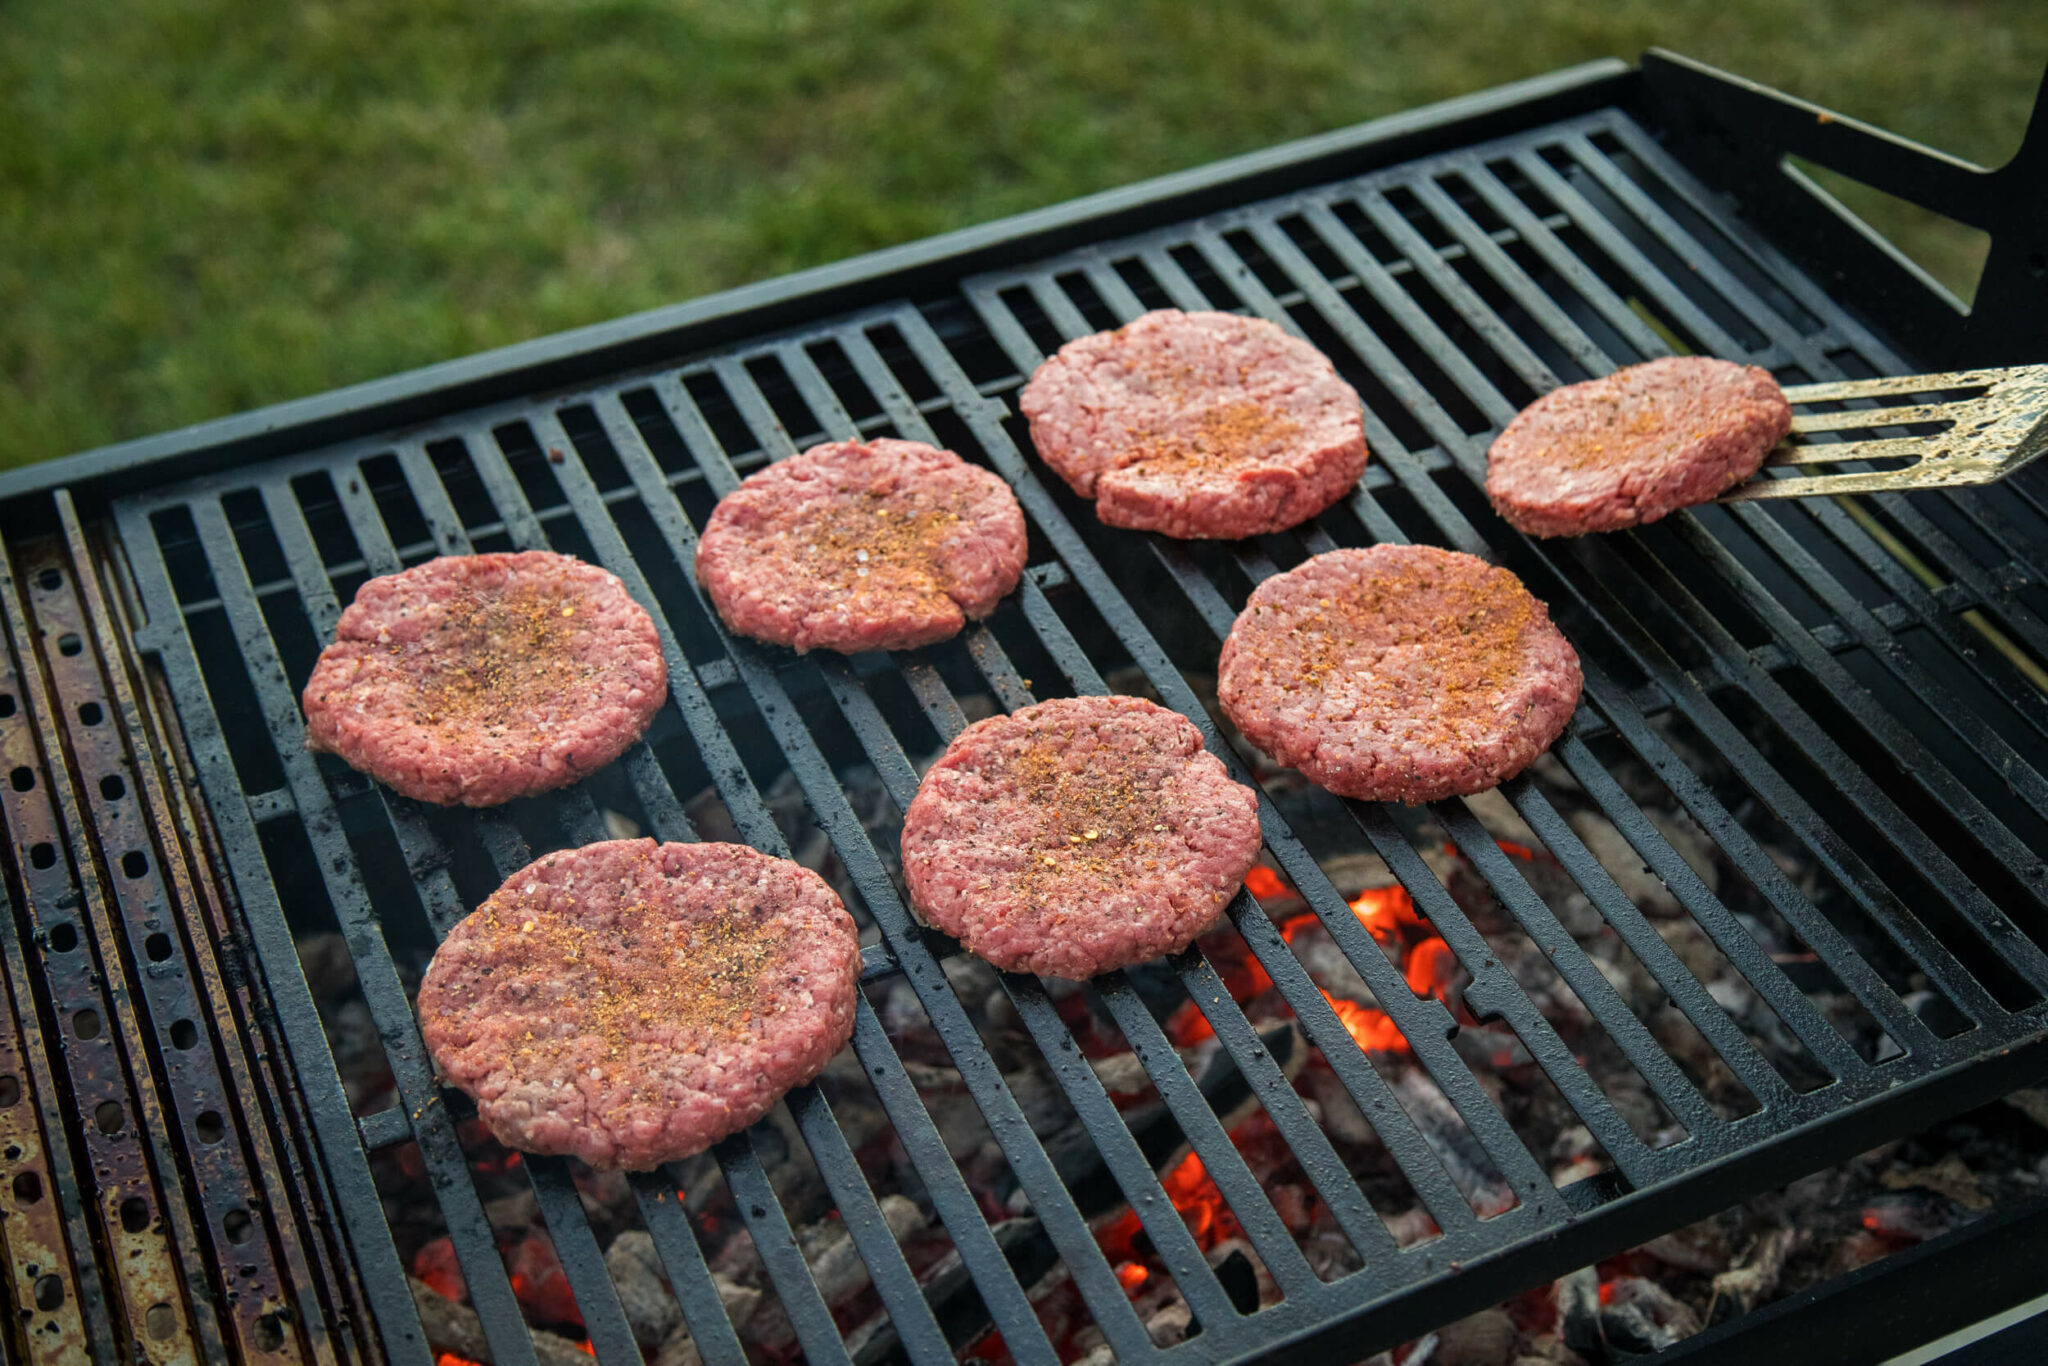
(1398, 1293)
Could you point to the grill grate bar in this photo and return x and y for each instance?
(235, 1185)
(469, 1230)
(1132, 1017)
(40, 1235)
(1463, 449)
(1497, 409)
(1940, 871)
(1084, 1091)
(1449, 328)
(892, 1277)
(444, 907)
(574, 1244)
(87, 992)
(1028, 1159)
(1425, 1023)
(1492, 989)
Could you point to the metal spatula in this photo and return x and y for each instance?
(1975, 427)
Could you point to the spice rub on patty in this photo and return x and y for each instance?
(1635, 445)
(471, 680)
(1198, 425)
(1398, 673)
(1076, 836)
(876, 545)
(630, 1003)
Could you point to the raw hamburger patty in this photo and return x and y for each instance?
(475, 679)
(1077, 836)
(630, 1003)
(1198, 425)
(1634, 445)
(878, 545)
(1399, 673)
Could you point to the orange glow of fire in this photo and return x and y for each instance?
(1386, 911)
(1265, 884)
(1132, 1277)
(1372, 1030)
(450, 1359)
(1200, 1203)
(1511, 849)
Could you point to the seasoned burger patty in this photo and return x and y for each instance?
(1198, 425)
(1398, 673)
(475, 679)
(1077, 836)
(878, 545)
(630, 1003)
(1634, 445)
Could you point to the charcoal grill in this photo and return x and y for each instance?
(184, 1178)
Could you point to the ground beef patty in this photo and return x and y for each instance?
(475, 679)
(1399, 673)
(1077, 836)
(630, 1003)
(877, 545)
(1198, 425)
(1634, 445)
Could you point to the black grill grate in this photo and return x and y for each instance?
(1863, 674)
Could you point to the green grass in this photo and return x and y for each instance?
(206, 206)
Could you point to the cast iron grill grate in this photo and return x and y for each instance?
(1879, 706)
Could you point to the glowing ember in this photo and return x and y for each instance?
(1431, 968)
(1371, 1029)
(1511, 849)
(450, 1359)
(1200, 1203)
(1386, 911)
(1265, 884)
(1132, 1277)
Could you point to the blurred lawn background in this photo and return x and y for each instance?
(206, 205)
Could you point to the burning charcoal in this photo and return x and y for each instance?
(835, 1264)
(636, 1272)
(1947, 1177)
(1121, 1074)
(1341, 1116)
(679, 1350)
(1700, 1247)
(1905, 1219)
(1624, 865)
(1412, 1226)
(1638, 1315)
(1168, 1324)
(1487, 1338)
(1743, 1288)
(1578, 1311)
(329, 967)
(435, 1263)
(1239, 1273)
(2031, 1102)
(1331, 1256)
(515, 1213)
(1545, 1349)
(452, 1327)
(1462, 1156)
(538, 1280)
(358, 1052)
(1420, 1352)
